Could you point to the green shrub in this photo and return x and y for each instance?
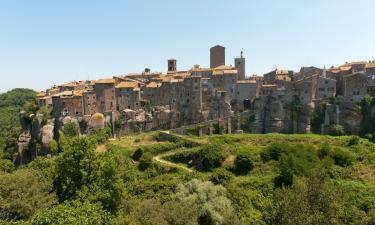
(354, 140)
(71, 130)
(145, 161)
(211, 156)
(54, 147)
(137, 154)
(101, 136)
(244, 162)
(342, 157)
(6, 166)
(336, 130)
(221, 176)
(72, 213)
(274, 151)
(324, 151)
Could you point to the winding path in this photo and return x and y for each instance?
(159, 159)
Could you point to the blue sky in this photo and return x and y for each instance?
(47, 42)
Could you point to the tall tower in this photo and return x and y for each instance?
(217, 56)
(240, 66)
(172, 65)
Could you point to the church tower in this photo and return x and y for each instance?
(240, 66)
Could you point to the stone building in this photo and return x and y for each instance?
(201, 72)
(89, 102)
(354, 86)
(128, 96)
(105, 95)
(217, 56)
(172, 65)
(239, 63)
(282, 78)
(68, 103)
(224, 78)
(246, 92)
(326, 88)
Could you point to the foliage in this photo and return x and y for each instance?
(307, 202)
(221, 176)
(101, 136)
(6, 166)
(317, 120)
(211, 156)
(274, 151)
(72, 213)
(82, 174)
(71, 130)
(145, 161)
(45, 166)
(244, 162)
(324, 151)
(11, 104)
(342, 157)
(210, 201)
(367, 103)
(336, 130)
(22, 193)
(354, 140)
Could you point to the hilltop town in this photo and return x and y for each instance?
(278, 101)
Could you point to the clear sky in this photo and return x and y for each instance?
(48, 42)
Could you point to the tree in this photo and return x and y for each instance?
(22, 193)
(211, 156)
(211, 201)
(82, 174)
(72, 213)
(243, 162)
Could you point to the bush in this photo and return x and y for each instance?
(211, 156)
(72, 213)
(22, 193)
(101, 136)
(324, 151)
(336, 130)
(354, 140)
(274, 151)
(342, 157)
(244, 162)
(6, 166)
(221, 176)
(145, 161)
(54, 147)
(71, 130)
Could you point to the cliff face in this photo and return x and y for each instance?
(36, 136)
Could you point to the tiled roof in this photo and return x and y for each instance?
(127, 85)
(153, 85)
(105, 81)
(370, 65)
(223, 67)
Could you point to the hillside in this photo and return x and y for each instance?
(159, 178)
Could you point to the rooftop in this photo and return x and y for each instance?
(127, 84)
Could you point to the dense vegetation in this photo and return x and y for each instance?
(11, 103)
(223, 179)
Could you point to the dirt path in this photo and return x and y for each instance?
(170, 164)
